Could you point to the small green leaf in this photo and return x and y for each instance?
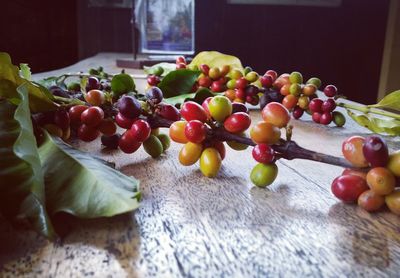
(90, 188)
(25, 71)
(216, 59)
(375, 124)
(48, 81)
(391, 101)
(122, 84)
(166, 67)
(198, 97)
(178, 82)
(22, 192)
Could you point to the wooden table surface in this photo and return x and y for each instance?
(189, 225)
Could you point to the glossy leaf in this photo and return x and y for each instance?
(90, 188)
(216, 59)
(391, 101)
(375, 124)
(39, 98)
(178, 82)
(167, 68)
(22, 192)
(198, 97)
(122, 84)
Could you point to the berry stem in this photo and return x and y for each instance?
(286, 149)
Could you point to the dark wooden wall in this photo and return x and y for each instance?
(340, 45)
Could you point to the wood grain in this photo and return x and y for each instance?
(192, 226)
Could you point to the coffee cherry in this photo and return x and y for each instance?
(376, 151)
(370, 201)
(309, 89)
(237, 146)
(180, 66)
(75, 113)
(220, 108)
(285, 89)
(330, 91)
(92, 116)
(295, 89)
(263, 175)
(251, 90)
(241, 83)
(338, 118)
(127, 143)
(225, 69)
(204, 69)
(235, 74)
(381, 180)
(195, 131)
(205, 81)
(348, 188)
(239, 107)
(123, 121)
(92, 83)
(214, 73)
(153, 146)
(316, 117)
(276, 114)
(61, 119)
(296, 77)
(253, 100)
(193, 111)
(231, 84)
(180, 60)
(87, 133)
(231, 94)
(314, 81)
(177, 132)
(95, 97)
(265, 133)
(266, 81)
(210, 162)
(205, 106)
(165, 141)
(240, 94)
(263, 153)
(326, 118)
(107, 127)
(361, 174)
(281, 80)
(129, 107)
(168, 111)
(352, 151)
(297, 112)
(394, 163)
(140, 130)
(264, 100)
(110, 142)
(271, 73)
(328, 105)
(315, 105)
(217, 87)
(153, 80)
(303, 102)
(252, 76)
(237, 122)
(154, 94)
(290, 101)
(190, 153)
(393, 201)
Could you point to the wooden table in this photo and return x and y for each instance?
(189, 225)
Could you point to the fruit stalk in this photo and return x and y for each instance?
(288, 150)
(366, 109)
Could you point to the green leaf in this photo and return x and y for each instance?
(198, 97)
(178, 82)
(375, 124)
(391, 101)
(48, 81)
(122, 84)
(216, 59)
(40, 99)
(25, 71)
(167, 68)
(89, 188)
(22, 191)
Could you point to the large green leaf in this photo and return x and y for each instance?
(216, 59)
(375, 124)
(391, 101)
(82, 185)
(199, 96)
(40, 99)
(178, 82)
(21, 177)
(122, 84)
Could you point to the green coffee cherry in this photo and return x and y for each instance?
(165, 141)
(263, 175)
(153, 146)
(338, 118)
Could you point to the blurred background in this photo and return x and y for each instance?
(354, 44)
